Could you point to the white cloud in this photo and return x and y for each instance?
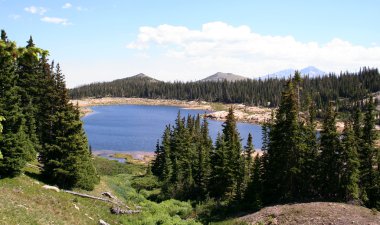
(14, 16)
(80, 8)
(67, 5)
(55, 20)
(218, 46)
(36, 10)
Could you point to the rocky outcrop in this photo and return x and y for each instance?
(242, 113)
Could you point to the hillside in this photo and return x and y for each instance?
(138, 77)
(314, 213)
(219, 76)
(25, 201)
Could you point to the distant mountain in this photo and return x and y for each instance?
(310, 71)
(138, 77)
(224, 76)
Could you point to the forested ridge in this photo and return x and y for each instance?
(38, 122)
(343, 89)
(297, 165)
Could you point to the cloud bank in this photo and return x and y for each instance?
(218, 46)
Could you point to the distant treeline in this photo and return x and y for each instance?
(343, 89)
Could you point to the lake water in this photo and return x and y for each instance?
(137, 127)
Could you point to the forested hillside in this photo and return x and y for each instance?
(344, 89)
(38, 121)
(296, 165)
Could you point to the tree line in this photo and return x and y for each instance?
(296, 164)
(38, 122)
(344, 89)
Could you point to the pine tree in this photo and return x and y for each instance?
(286, 151)
(66, 157)
(4, 36)
(350, 170)
(309, 171)
(234, 167)
(368, 155)
(330, 157)
(1, 130)
(202, 165)
(249, 151)
(254, 190)
(218, 186)
(15, 145)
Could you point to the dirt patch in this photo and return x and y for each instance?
(313, 214)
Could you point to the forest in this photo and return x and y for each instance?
(345, 89)
(38, 122)
(296, 164)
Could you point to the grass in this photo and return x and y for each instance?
(215, 106)
(24, 201)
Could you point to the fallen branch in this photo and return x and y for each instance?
(90, 196)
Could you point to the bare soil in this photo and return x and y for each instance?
(314, 214)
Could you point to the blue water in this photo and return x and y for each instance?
(137, 127)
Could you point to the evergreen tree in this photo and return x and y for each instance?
(350, 170)
(66, 157)
(234, 167)
(202, 170)
(1, 130)
(330, 157)
(4, 36)
(254, 189)
(368, 155)
(309, 170)
(249, 151)
(286, 151)
(218, 186)
(15, 144)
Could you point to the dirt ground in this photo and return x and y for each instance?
(314, 214)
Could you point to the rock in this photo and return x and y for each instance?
(117, 210)
(48, 187)
(102, 222)
(109, 195)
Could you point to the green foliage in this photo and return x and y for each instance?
(331, 157)
(350, 178)
(34, 102)
(112, 167)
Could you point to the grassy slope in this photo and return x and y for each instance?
(24, 201)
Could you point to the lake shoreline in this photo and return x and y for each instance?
(219, 111)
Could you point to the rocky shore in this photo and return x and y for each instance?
(243, 113)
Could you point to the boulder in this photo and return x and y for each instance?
(48, 187)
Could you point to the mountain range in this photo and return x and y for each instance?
(310, 71)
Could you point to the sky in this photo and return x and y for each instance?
(169, 40)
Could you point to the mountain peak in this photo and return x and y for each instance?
(310, 71)
(224, 76)
(141, 77)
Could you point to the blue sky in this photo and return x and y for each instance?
(102, 40)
